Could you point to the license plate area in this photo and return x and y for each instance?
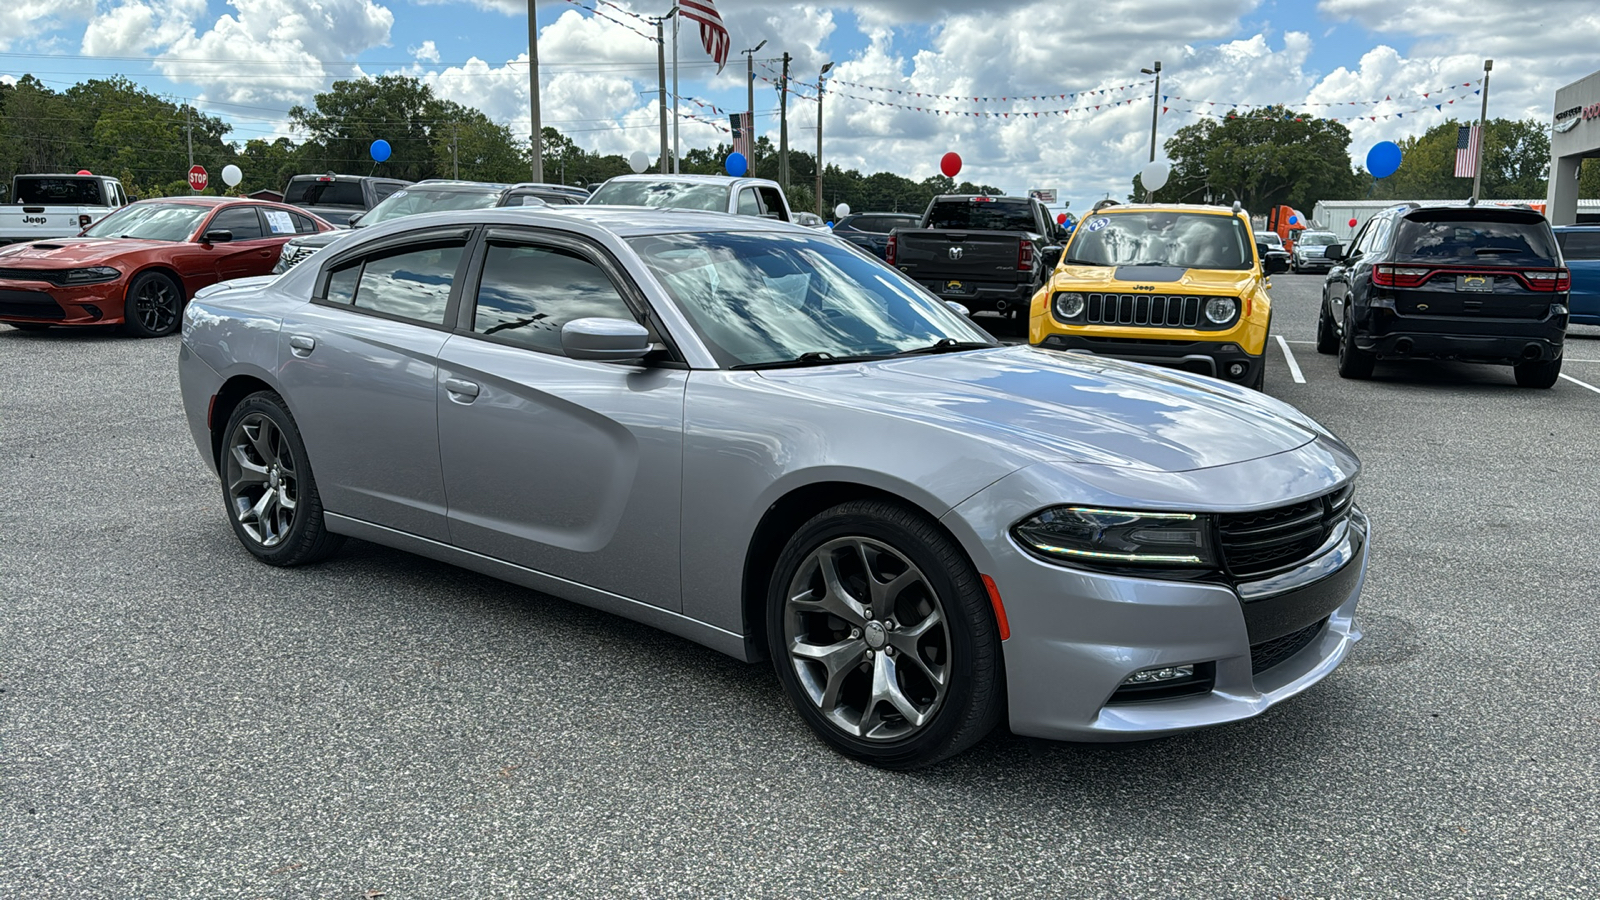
(957, 287)
(1475, 284)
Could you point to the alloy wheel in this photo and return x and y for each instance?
(262, 478)
(156, 305)
(868, 638)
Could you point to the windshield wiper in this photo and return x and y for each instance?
(946, 345)
(809, 358)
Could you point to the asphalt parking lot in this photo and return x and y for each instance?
(177, 720)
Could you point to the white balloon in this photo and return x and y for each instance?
(841, 210)
(639, 161)
(1154, 174)
(231, 175)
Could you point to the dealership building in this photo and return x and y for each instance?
(1575, 136)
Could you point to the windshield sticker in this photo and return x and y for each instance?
(1099, 223)
(279, 221)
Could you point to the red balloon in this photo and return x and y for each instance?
(1352, 223)
(85, 172)
(1061, 219)
(950, 165)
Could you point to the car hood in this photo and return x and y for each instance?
(320, 239)
(76, 251)
(1208, 281)
(1065, 407)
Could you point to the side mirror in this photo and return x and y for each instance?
(613, 340)
(1334, 252)
(1052, 255)
(217, 236)
(354, 219)
(958, 309)
(1261, 250)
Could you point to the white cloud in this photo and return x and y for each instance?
(428, 52)
(22, 19)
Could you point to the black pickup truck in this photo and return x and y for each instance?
(986, 253)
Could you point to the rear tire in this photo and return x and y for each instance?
(267, 487)
(153, 306)
(1542, 374)
(883, 638)
(1327, 338)
(1353, 362)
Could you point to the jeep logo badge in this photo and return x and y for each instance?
(955, 252)
(1144, 287)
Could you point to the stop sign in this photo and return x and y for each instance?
(198, 178)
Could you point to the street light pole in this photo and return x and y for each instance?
(783, 124)
(1155, 112)
(820, 75)
(1483, 132)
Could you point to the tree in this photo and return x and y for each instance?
(1262, 158)
(343, 123)
(1516, 157)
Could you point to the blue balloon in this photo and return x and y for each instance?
(736, 164)
(380, 150)
(1294, 220)
(1383, 159)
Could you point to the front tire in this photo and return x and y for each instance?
(1354, 363)
(1542, 374)
(267, 487)
(882, 636)
(153, 307)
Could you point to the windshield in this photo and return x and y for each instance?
(1476, 237)
(311, 192)
(663, 195)
(1269, 238)
(1318, 239)
(1162, 238)
(151, 222)
(770, 298)
(34, 191)
(412, 200)
(982, 214)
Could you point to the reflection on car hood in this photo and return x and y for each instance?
(75, 251)
(1210, 281)
(1065, 407)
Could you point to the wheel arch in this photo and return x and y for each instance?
(779, 523)
(161, 269)
(226, 400)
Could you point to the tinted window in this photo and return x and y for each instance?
(1187, 240)
(303, 224)
(528, 293)
(1448, 235)
(663, 195)
(311, 192)
(342, 284)
(62, 191)
(982, 215)
(771, 202)
(1580, 244)
(242, 221)
(413, 285)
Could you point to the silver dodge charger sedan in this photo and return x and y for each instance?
(752, 435)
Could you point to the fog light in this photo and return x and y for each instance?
(1165, 673)
(1236, 370)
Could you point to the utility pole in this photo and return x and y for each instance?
(533, 93)
(783, 125)
(455, 137)
(820, 75)
(1155, 111)
(188, 129)
(661, 77)
(1483, 132)
(675, 145)
(750, 99)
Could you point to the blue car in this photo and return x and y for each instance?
(1580, 246)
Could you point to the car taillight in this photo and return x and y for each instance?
(1025, 255)
(888, 250)
(1399, 276)
(1556, 282)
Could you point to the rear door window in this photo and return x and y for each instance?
(1451, 237)
(1577, 245)
(411, 283)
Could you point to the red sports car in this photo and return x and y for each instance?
(139, 265)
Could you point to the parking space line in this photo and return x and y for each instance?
(1288, 357)
(1582, 384)
(1307, 343)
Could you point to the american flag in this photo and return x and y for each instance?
(713, 34)
(740, 123)
(1467, 151)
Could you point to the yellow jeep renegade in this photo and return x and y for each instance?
(1179, 286)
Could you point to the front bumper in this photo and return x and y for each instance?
(41, 301)
(1313, 262)
(1215, 358)
(1077, 636)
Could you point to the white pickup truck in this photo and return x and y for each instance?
(53, 206)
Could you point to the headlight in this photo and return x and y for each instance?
(1221, 310)
(1068, 306)
(1120, 538)
(90, 276)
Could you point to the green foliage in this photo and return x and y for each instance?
(1516, 156)
(1263, 158)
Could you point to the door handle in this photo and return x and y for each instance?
(461, 391)
(301, 345)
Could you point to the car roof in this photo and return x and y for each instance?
(546, 186)
(453, 185)
(1583, 226)
(1169, 207)
(622, 221)
(694, 179)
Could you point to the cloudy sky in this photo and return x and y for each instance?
(250, 60)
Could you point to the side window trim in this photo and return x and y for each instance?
(594, 253)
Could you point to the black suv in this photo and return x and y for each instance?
(1472, 283)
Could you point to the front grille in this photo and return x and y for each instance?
(30, 305)
(1255, 543)
(1267, 654)
(53, 276)
(293, 255)
(1156, 311)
